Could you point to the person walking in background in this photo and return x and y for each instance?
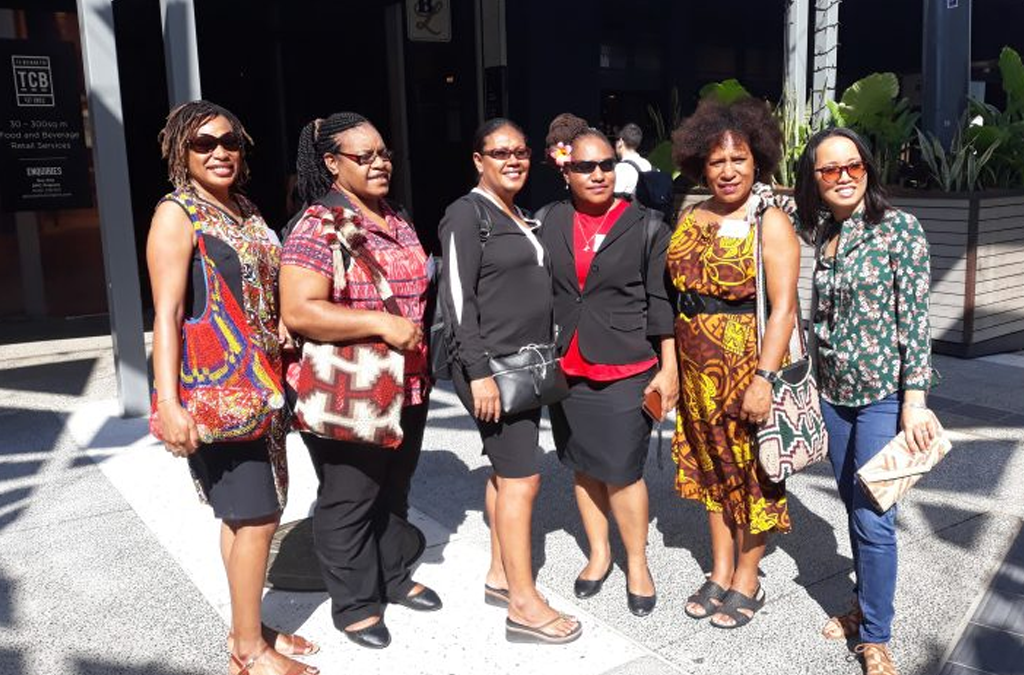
(631, 164)
(362, 536)
(244, 482)
(725, 381)
(497, 299)
(871, 345)
(610, 303)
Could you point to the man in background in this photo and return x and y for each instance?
(627, 171)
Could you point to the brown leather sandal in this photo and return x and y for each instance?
(284, 643)
(844, 626)
(877, 659)
(295, 668)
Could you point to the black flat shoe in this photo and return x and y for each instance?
(588, 588)
(641, 605)
(424, 601)
(376, 636)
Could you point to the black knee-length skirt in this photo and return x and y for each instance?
(601, 429)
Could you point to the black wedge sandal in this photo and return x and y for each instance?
(709, 597)
(735, 601)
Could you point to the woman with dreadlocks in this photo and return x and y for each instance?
(244, 482)
(365, 544)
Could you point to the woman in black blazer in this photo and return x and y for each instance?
(611, 303)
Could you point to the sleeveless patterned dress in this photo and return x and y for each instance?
(258, 252)
(715, 452)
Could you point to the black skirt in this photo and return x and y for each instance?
(237, 479)
(601, 429)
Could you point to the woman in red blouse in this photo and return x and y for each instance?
(608, 260)
(363, 539)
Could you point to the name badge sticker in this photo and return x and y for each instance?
(734, 228)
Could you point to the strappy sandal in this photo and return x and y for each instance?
(520, 632)
(844, 626)
(733, 602)
(877, 659)
(495, 597)
(286, 644)
(708, 596)
(295, 668)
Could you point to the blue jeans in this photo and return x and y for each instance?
(855, 435)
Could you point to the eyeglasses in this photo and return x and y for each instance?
(204, 144)
(831, 174)
(505, 154)
(588, 165)
(368, 158)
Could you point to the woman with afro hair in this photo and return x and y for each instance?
(725, 381)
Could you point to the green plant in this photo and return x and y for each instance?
(796, 129)
(1002, 131)
(727, 91)
(959, 169)
(660, 156)
(871, 107)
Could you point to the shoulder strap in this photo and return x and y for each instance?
(483, 220)
(797, 344)
(634, 165)
(652, 224)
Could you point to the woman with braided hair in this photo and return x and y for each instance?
(244, 482)
(363, 539)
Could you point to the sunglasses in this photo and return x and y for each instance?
(368, 158)
(588, 165)
(505, 154)
(204, 144)
(831, 174)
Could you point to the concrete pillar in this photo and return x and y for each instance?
(113, 196)
(826, 51)
(181, 55)
(795, 87)
(946, 66)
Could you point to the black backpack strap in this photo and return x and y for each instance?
(652, 223)
(483, 220)
(634, 165)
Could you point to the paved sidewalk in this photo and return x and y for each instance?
(109, 565)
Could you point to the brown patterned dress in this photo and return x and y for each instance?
(714, 451)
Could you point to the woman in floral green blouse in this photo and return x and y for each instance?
(873, 356)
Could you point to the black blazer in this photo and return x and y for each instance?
(615, 314)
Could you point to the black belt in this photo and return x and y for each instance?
(691, 303)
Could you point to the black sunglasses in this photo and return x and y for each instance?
(588, 165)
(505, 154)
(204, 144)
(368, 158)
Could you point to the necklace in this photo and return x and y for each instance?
(587, 241)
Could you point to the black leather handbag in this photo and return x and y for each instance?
(529, 378)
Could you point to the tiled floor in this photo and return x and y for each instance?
(993, 642)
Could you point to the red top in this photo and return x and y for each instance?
(588, 234)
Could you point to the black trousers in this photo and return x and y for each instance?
(363, 540)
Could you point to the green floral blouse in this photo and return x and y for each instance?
(871, 323)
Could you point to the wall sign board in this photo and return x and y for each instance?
(44, 164)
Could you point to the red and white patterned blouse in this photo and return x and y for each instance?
(404, 262)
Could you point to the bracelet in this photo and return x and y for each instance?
(769, 375)
(165, 400)
(915, 405)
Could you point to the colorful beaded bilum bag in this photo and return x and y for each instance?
(352, 391)
(226, 383)
(794, 435)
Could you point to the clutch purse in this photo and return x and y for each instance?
(895, 469)
(652, 405)
(530, 378)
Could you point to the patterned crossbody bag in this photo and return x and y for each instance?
(794, 436)
(352, 391)
(226, 383)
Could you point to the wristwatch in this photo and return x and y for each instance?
(769, 375)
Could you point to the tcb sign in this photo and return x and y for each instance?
(33, 81)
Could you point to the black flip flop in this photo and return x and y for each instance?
(496, 597)
(520, 632)
(708, 591)
(733, 602)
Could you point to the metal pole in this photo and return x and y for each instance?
(826, 51)
(796, 55)
(946, 66)
(181, 54)
(110, 161)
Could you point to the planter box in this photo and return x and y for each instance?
(977, 251)
(977, 261)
